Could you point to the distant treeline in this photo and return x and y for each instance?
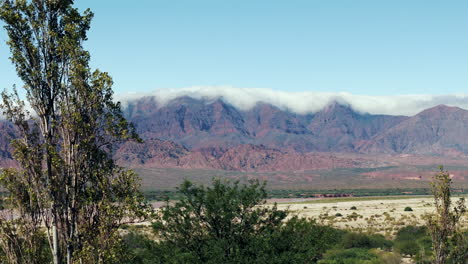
(161, 195)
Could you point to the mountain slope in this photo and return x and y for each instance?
(339, 127)
(439, 130)
(200, 124)
(248, 158)
(7, 134)
(188, 121)
(190, 133)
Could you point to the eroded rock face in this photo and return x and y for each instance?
(248, 157)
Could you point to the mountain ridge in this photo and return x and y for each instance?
(191, 133)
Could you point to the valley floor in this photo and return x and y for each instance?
(384, 215)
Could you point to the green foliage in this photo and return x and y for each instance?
(307, 241)
(414, 241)
(360, 256)
(411, 233)
(140, 249)
(388, 257)
(229, 223)
(407, 247)
(459, 247)
(448, 240)
(350, 256)
(67, 181)
(160, 195)
(361, 240)
(408, 209)
(379, 241)
(353, 208)
(21, 243)
(219, 223)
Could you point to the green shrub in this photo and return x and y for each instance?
(350, 256)
(407, 247)
(411, 233)
(414, 241)
(408, 209)
(307, 241)
(360, 240)
(379, 241)
(353, 208)
(360, 256)
(387, 257)
(140, 249)
(338, 215)
(224, 224)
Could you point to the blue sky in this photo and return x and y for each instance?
(361, 47)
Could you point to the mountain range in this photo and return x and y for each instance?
(193, 133)
(199, 124)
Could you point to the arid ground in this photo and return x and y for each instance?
(384, 215)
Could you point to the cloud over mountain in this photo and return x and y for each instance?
(307, 102)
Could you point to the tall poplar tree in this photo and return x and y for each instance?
(67, 180)
(449, 240)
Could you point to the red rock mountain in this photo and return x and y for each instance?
(163, 154)
(439, 130)
(191, 133)
(7, 134)
(206, 124)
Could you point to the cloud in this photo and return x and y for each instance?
(306, 102)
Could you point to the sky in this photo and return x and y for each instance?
(374, 48)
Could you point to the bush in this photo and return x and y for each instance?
(306, 241)
(355, 240)
(408, 209)
(353, 208)
(411, 233)
(379, 241)
(218, 224)
(360, 240)
(388, 257)
(414, 241)
(338, 215)
(360, 256)
(350, 256)
(407, 247)
(140, 249)
(224, 224)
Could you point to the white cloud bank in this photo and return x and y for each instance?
(307, 102)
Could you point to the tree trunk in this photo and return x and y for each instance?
(55, 242)
(69, 254)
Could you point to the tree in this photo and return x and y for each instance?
(448, 240)
(414, 241)
(67, 180)
(300, 240)
(218, 224)
(361, 240)
(230, 223)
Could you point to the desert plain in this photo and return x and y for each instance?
(385, 215)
